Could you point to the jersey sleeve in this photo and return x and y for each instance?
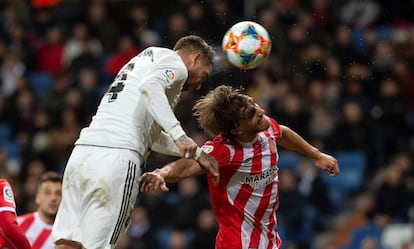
(168, 73)
(276, 128)
(217, 150)
(165, 145)
(7, 202)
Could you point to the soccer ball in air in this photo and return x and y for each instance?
(246, 45)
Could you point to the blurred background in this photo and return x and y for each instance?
(341, 74)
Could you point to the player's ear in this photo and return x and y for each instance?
(196, 58)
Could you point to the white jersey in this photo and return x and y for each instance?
(139, 103)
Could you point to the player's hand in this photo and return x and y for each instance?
(327, 163)
(209, 163)
(152, 181)
(187, 146)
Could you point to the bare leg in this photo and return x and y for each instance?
(67, 244)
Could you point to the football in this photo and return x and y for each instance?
(246, 45)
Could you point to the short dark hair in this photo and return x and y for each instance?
(51, 176)
(194, 43)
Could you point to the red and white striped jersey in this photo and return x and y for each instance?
(37, 232)
(246, 200)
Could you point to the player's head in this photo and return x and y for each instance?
(198, 57)
(49, 194)
(228, 111)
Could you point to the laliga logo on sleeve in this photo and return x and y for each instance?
(169, 74)
(8, 194)
(207, 148)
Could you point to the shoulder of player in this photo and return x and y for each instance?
(25, 216)
(4, 182)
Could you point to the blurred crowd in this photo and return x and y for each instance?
(340, 73)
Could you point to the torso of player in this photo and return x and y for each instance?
(122, 120)
(37, 232)
(246, 199)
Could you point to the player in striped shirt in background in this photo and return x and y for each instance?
(244, 144)
(38, 225)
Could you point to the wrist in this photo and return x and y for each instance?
(198, 153)
(315, 153)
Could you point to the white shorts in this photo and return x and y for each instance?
(99, 190)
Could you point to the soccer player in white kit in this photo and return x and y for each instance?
(37, 225)
(245, 145)
(135, 116)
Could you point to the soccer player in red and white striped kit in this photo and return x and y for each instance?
(38, 225)
(245, 145)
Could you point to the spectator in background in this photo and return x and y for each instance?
(158, 203)
(125, 51)
(102, 26)
(53, 99)
(11, 235)
(177, 240)
(388, 114)
(291, 209)
(318, 207)
(49, 53)
(77, 42)
(31, 175)
(21, 115)
(205, 233)
(38, 225)
(393, 198)
(11, 70)
(292, 112)
(141, 232)
(353, 131)
(178, 26)
(191, 200)
(22, 44)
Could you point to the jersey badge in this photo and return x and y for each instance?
(207, 148)
(169, 74)
(8, 194)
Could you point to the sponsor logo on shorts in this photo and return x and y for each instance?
(8, 194)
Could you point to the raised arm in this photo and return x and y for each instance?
(172, 172)
(292, 141)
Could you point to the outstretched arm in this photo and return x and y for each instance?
(292, 141)
(172, 172)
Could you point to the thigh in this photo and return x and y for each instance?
(66, 224)
(109, 187)
(99, 190)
